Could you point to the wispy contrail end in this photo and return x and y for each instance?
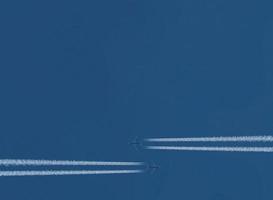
(63, 173)
(215, 139)
(227, 149)
(65, 162)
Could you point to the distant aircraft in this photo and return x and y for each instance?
(152, 167)
(136, 143)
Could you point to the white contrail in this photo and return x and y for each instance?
(215, 139)
(63, 172)
(204, 148)
(64, 162)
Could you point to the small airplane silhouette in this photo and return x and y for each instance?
(152, 167)
(136, 143)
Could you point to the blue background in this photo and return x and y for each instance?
(80, 79)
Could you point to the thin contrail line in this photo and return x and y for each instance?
(204, 148)
(63, 172)
(64, 162)
(215, 139)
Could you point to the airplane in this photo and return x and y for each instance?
(152, 167)
(136, 143)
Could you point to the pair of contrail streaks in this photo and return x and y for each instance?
(64, 172)
(212, 148)
(29, 162)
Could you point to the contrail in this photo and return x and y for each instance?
(65, 162)
(63, 173)
(204, 148)
(215, 139)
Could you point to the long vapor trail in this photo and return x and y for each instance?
(204, 148)
(65, 162)
(215, 139)
(63, 172)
